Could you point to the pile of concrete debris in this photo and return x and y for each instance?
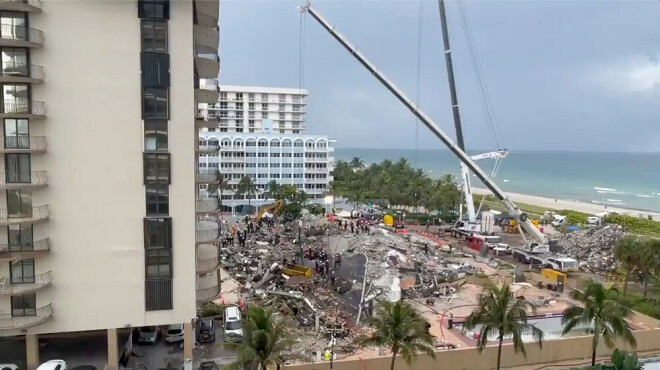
(593, 247)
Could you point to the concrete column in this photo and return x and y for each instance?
(188, 342)
(32, 351)
(113, 353)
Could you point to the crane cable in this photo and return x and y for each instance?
(484, 95)
(301, 53)
(419, 62)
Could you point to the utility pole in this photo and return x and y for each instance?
(300, 249)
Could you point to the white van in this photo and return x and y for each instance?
(593, 220)
(53, 365)
(232, 325)
(558, 221)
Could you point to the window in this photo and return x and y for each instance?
(250, 154)
(24, 305)
(251, 130)
(223, 95)
(154, 36)
(154, 103)
(263, 165)
(155, 136)
(297, 155)
(275, 144)
(264, 107)
(155, 69)
(263, 143)
(20, 237)
(157, 233)
(13, 26)
(156, 168)
(286, 165)
(297, 175)
(15, 98)
(275, 176)
(250, 165)
(158, 200)
(154, 9)
(286, 176)
(17, 168)
(296, 131)
(239, 96)
(159, 263)
(275, 165)
(263, 176)
(263, 155)
(22, 272)
(14, 62)
(250, 143)
(298, 144)
(17, 134)
(19, 203)
(297, 165)
(275, 155)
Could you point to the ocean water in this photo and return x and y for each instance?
(627, 180)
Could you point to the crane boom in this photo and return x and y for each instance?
(428, 122)
(465, 174)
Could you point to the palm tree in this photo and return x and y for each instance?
(357, 163)
(334, 190)
(218, 187)
(602, 312)
(399, 328)
(263, 341)
(273, 190)
(648, 260)
(246, 186)
(498, 312)
(626, 251)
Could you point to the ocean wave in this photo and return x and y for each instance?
(604, 189)
(644, 196)
(615, 200)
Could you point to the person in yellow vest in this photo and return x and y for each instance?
(327, 355)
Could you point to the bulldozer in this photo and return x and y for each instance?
(510, 225)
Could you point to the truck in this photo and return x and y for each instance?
(554, 261)
(463, 229)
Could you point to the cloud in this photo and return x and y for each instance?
(639, 74)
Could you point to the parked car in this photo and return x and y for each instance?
(8, 367)
(53, 365)
(232, 324)
(208, 365)
(205, 330)
(148, 334)
(174, 333)
(593, 220)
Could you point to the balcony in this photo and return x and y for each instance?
(208, 294)
(207, 232)
(23, 109)
(21, 72)
(23, 144)
(206, 91)
(40, 282)
(213, 148)
(208, 65)
(21, 252)
(206, 206)
(37, 179)
(207, 12)
(206, 177)
(205, 266)
(21, 5)
(29, 215)
(20, 36)
(206, 37)
(42, 314)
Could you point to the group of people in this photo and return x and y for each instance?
(356, 227)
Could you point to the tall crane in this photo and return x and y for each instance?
(466, 187)
(431, 125)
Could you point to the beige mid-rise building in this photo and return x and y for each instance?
(99, 221)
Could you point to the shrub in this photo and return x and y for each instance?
(635, 224)
(211, 310)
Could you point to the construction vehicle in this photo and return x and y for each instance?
(456, 149)
(274, 208)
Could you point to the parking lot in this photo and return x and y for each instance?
(90, 348)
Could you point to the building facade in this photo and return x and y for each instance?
(98, 218)
(304, 161)
(260, 109)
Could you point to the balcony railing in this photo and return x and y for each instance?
(207, 265)
(27, 215)
(209, 56)
(40, 282)
(21, 33)
(207, 177)
(24, 107)
(22, 69)
(208, 148)
(206, 205)
(207, 235)
(208, 84)
(208, 294)
(23, 144)
(39, 315)
(19, 252)
(33, 3)
(36, 179)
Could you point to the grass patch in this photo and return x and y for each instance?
(492, 203)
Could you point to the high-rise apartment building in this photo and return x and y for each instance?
(97, 217)
(257, 109)
(302, 160)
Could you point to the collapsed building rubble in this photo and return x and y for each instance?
(322, 276)
(593, 247)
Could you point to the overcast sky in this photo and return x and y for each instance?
(562, 75)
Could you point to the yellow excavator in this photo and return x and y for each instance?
(274, 208)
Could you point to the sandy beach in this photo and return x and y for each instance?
(571, 204)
